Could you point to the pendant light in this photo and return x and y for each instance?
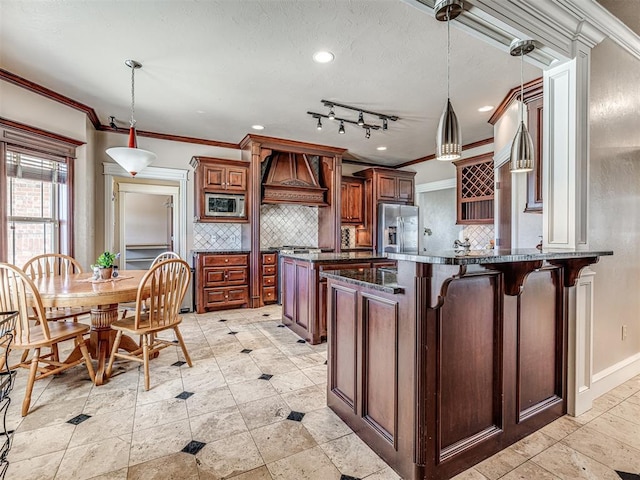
(132, 158)
(449, 136)
(522, 154)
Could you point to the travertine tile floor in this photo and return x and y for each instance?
(253, 407)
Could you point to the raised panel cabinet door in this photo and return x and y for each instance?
(214, 277)
(289, 291)
(355, 202)
(344, 202)
(405, 189)
(214, 177)
(387, 187)
(236, 179)
(236, 276)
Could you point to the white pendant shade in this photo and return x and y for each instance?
(522, 151)
(449, 137)
(133, 160)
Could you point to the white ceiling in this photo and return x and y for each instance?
(211, 69)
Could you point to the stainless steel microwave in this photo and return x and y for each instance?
(224, 205)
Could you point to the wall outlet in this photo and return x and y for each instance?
(624, 332)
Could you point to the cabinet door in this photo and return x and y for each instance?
(236, 179)
(387, 187)
(344, 202)
(214, 177)
(405, 189)
(355, 202)
(534, 178)
(236, 276)
(214, 277)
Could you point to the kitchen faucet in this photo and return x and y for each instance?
(466, 244)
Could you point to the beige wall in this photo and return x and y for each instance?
(614, 188)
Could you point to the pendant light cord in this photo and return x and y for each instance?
(521, 88)
(448, 53)
(133, 98)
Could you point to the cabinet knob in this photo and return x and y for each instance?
(226, 296)
(226, 260)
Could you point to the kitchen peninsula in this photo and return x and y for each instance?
(453, 358)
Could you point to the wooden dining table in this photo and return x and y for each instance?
(103, 297)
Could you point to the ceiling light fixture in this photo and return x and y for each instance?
(112, 122)
(486, 108)
(332, 114)
(341, 129)
(381, 148)
(385, 124)
(319, 125)
(449, 136)
(367, 133)
(323, 56)
(522, 154)
(132, 158)
(360, 119)
(257, 127)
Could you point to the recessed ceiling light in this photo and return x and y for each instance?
(323, 57)
(200, 111)
(257, 127)
(486, 108)
(381, 148)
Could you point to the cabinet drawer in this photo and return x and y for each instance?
(268, 270)
(220, 260)
(269, 280)
(269, 294)
(268, 258)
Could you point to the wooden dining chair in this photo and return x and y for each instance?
(53, 264)
(19, 293)
(160, 294)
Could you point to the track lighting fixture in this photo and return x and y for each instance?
(522, 154)
(449, 136)
(360, 121)
(112, 122)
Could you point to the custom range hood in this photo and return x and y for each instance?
(293, 178)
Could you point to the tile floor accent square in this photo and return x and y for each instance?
(348, 477)
(232, 333)
(295, 416)
(325, 362)
(246, 350)
(266, 314)
(184, 395)
(265, 376)
(179, 363)
(222, 320)
(193, 447)
(302, 341)
(175, 341)
(77, 420)
(281, 326)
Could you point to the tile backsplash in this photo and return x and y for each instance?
(288, 225)
(479, 235)
(348, 236)
(217, 236)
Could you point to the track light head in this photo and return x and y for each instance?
(112, 122)
(367, 133)
(332, 115)
(385, 124)
(360, 119)
(341, 129)
(319, 125)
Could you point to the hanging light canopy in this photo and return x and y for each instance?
(132, 158)
(449, 136)
(522, 154)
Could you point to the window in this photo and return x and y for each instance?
(36, 205)
(36, 174)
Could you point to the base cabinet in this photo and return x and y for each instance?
(222, 281)
(450, 372)
(269, 278)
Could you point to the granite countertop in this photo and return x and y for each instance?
(381, 279)
(461, 257)
(213, 250)
(329, 257)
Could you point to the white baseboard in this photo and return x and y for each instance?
(615, 375)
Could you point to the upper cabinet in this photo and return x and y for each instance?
(395, 187)
(220, 186)
(534, 177)
(222, 175)
(352, 198)
(475, 190)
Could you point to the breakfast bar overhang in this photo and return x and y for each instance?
(452, 358)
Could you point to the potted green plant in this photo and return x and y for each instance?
(105, 263)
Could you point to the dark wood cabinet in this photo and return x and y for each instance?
(215, 175)
(381, 185)
(351, 210)
(269, 275)
(475, 190)
(222, 281)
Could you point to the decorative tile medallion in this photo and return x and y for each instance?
(295, 416)
(184, 395)
(193, 447)
(77, 420)
(179, 363)
(265, 376)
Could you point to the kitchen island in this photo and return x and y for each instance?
(304, 291)
(452, 358)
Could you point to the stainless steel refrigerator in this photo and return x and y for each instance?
(397, 228)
